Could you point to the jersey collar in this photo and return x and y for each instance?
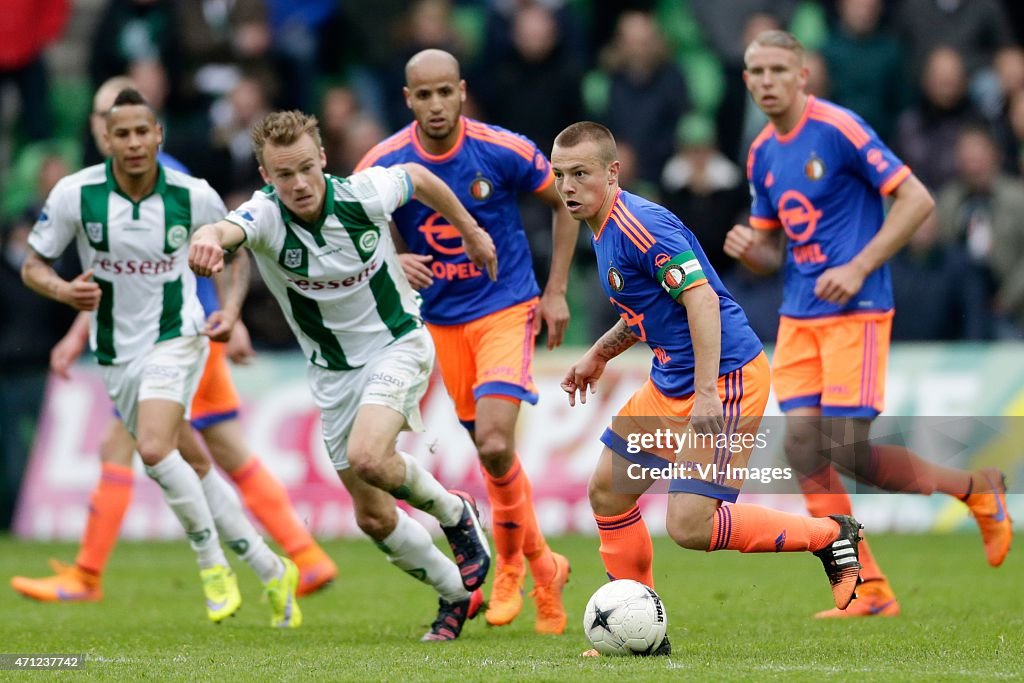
(438, 158)
(808, 105)
(315, 228)
(158, 188)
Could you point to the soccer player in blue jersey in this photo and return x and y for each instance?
(818, 174)
(484, 331)
(709, 369)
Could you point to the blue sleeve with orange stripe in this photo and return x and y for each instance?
(671, 260)
(870, 157)
(762, 212)
(527, 175)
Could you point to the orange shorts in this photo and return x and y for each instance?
(702, 459)
(837, 363)
(216, 399)
(490, 356)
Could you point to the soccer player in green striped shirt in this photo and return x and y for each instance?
(324, 248)
(131, 218)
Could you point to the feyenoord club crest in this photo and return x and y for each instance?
(615, 280)
(292, 258)
(674, 276)
(814, 169)
(481, 188)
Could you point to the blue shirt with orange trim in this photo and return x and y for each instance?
(823, 183)
(487, 169)
(648, 258)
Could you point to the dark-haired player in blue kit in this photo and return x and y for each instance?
(484, 331)
(817, 175)
(709, 374)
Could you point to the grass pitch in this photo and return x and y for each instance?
(731, 617)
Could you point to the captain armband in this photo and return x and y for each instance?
(679, 273)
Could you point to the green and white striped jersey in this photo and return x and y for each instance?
(338, 281)
(138, 250)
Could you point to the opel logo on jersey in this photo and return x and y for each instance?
(814, 169)
(615, 280)
(799, 217)
(442, 235)
(481, 188)
(368, 240)
(177, 236)
(660, 260)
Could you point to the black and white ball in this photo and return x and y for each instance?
(625, 617)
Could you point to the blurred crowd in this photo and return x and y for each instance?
(942, 81)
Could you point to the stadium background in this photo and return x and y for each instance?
(941, 80)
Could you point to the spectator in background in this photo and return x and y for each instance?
(926, 134)
(976, 29)
(739, 120)
(222, 39)
(819, 81)
(132, 31)
(538, 69)
(296, 29)
(956, 305)
(981, 211)
(232, 119)
(27, 27)
(1014, 142)
(499, 31)
(703, 188)
(29, 326)
(866, 66)
(648, 94)
(726, 25)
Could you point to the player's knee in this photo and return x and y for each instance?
(376, 522)
(367, 464)
(152, 450)
(689, 531)
(496, 452)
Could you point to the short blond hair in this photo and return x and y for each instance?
(778, 38)
(283, 128)
(588, 131)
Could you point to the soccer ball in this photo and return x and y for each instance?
(625, 617)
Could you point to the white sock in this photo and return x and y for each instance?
(236, 530)
(410, 548)
(184, 494)
(423, 492)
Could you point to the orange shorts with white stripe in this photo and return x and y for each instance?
(490, 356)
(837, 363)
(634, 432)
(216, 399)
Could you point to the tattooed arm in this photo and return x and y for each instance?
(585, 373)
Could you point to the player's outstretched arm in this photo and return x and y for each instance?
(82, 293)
(760, 251)
(432, 191)
(705, 321)
(66, 351)
(554, 309)
(206, 252)
(232, 285)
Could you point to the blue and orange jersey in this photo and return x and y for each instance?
(487, 169)
(647, 258)
(823, 183)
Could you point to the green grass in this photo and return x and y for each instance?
(730, 617)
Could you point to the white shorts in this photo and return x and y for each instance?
(169, 370)
(397, 379)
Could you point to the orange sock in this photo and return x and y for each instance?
(107, 506)
(507, 524)
(626, 548)
(755, 529)
(535, 547)
(895, 468)
(267, 498)
(824, 495)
